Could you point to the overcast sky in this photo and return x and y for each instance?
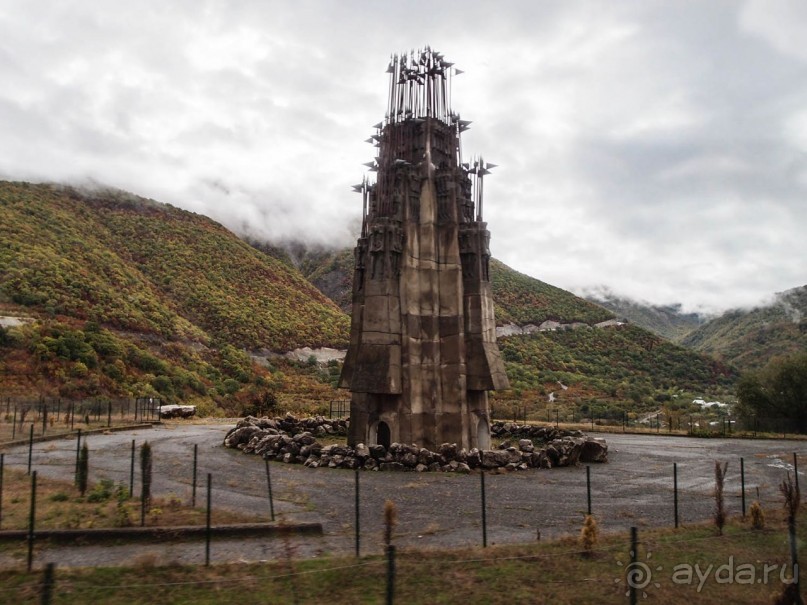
(656, 148)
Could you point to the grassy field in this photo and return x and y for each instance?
(689, 565)
(59, 505)
(681, 566)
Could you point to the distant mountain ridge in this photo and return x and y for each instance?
(665, 320)
(518, 298)
(749, 339)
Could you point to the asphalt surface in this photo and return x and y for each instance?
(635, 488)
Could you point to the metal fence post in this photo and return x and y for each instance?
(588, 487)
(2, 466)
(269, 489)
(47, 584)
(390, 574)
(30, 447)
(193, 480)
(357, 523)
(31, 521)
(742, 483)
(207, 532)
(675, 492)
(484, 512)
(78, 449)
(634, 547)
(131, 471)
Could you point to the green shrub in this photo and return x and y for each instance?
(102, 491)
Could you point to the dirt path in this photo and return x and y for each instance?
(434, 509)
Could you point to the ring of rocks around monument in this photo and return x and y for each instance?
(294, 441)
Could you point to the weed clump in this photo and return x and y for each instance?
(589, 535)
(757, 515)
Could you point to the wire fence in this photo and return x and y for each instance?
(56, 416)
(434, 509)
(399, 576)
(708, 422)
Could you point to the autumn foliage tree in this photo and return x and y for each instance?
(779, 390)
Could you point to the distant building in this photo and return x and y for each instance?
(423, 353)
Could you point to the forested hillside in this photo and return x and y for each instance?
(122, 296)
(624, 364)
(130, 295)
(749, 339)
(618, 364)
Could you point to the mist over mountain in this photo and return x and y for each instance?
(751, 338)
(106, 293)
(669, 321)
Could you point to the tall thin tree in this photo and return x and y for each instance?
(145, 474)
(83, 470)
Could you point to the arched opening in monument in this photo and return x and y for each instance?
(382, 436)
(483, 434)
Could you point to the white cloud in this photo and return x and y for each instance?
(655, 148)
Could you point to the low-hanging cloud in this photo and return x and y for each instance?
(658, 149)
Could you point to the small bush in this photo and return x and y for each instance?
(122, 518)
(102, 491)
(757, 516)
(155, 513)
(59, 497)
(589, 535)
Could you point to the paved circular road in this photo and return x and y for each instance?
(635, 488)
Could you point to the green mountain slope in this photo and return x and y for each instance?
(667, 321)
(133, 297)
(619, 363)
(135, 264)
(332, 273)
(626, 364)
(749, 339)
(130, 297)
(521, 299)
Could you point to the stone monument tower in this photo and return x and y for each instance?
(423, 351)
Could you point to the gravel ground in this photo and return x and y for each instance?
(434, 509)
